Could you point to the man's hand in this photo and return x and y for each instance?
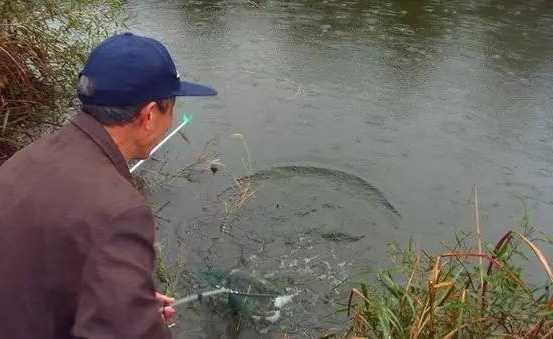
(166, 311)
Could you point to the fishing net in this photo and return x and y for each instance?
(301, 232)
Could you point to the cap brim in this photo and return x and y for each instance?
(190, 89)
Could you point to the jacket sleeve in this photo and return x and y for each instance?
(117, 298)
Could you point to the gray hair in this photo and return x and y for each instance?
(114, 115)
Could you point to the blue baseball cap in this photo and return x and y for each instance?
(128, 69)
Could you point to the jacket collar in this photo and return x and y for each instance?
(100, 136)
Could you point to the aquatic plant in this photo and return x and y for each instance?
(167, 275)
(246, 162)
(452, 295)
(242, 189)
(42, 47)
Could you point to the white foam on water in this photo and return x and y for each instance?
(281, 301)
(272, 318)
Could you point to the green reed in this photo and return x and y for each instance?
(448, 295)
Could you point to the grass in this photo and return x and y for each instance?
(168, 276)
(242, 189)
(242, 193)
(43, 44)
(246, 162)
(452, 295)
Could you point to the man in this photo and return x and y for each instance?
(76, 238)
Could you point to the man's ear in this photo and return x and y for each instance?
(146, 115)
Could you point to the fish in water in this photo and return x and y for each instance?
(341, 236)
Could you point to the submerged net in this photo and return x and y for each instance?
(301, 232)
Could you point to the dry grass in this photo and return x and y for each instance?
(242, 190)
(20, 91)
(242, 193)
(42, 47)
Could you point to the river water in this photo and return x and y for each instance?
(347, 112)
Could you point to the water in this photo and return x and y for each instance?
(419, 99)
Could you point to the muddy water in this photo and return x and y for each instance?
(407, 102)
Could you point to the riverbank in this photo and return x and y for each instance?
(42, 47)
(451, 295)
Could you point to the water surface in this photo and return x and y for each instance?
(421, 99)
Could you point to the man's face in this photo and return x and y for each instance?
(154, 125)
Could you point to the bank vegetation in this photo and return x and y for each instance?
(461, 292)
(43, 44)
